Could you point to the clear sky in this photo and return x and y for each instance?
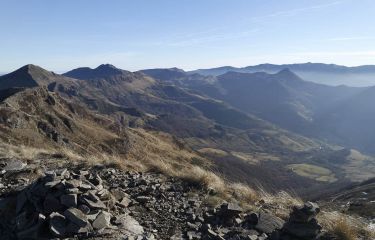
(138, 34)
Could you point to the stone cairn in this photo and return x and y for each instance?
(302, 223)
(65, 204)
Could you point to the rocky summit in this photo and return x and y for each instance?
(102, 203)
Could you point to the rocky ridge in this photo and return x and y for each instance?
(107, 203)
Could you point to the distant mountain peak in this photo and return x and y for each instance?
(287, 74)
(108, 69)
(32, 71)
(285, 71)
(177, 69)
(165, 73)
(31, 68)
(106, 66)
(100, 72)
(28, 76)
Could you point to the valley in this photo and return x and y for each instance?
(181, 125)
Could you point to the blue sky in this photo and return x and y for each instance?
(190, 34)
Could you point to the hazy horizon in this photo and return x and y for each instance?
(167, 67)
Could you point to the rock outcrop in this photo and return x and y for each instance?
(65, 204)
(112, 204)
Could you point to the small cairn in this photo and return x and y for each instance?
(302, 223)
(65, 204)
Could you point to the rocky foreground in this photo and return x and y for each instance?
(101, 203)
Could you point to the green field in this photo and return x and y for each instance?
(314, 172)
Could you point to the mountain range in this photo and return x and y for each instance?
(276, 129)
(329, 74)
(336, 114)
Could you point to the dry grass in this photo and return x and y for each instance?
(343, 230)
(220, 190)
(244, 193)
(280, 203)
(23, 152)
(345, 227)
(203, 178)
(158, 154)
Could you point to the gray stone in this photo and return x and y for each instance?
(230, 209)
(177, 236)
(50, 174)
(57, 224)
(14, 165)
(130, 225)
(84, 172)
(252, 218)
(238, 221)
(21, 200)
(102, 220)
(192, 226)
(62, 172)
(76, 216)
(85, 187)
(253, 232)
(252, 237)
(74, 183)
(211, 233)
(104, 194)
(93, 214)
(84, 208)
(52, 184)
(72, 190)
(32, 232)
(305, 213)
(268, 223)
(303, 230)
(263, 237)
(69, 200)
(51, 204)
(74, 228)
(23, 221)
(119, 194)
(124, 202)
(95, 205)
(193, 235)
(143, 199)
(302, 223)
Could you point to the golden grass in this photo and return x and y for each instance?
(345, 227)
(343, 230)
(22, 151)
(339, 225)
(359, 167)
(244, 194)
(280, 203)
(160, 155)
